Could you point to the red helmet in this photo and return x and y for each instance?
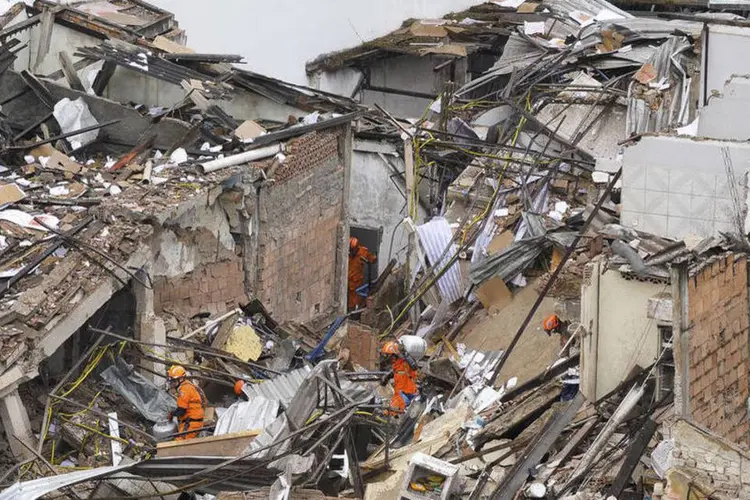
(353, 243)
(551, 323)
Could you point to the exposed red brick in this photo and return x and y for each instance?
(719, 356)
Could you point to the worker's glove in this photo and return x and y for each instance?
(384, 380)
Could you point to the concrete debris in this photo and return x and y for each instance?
(508, 274)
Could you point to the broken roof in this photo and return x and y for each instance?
(482, 27)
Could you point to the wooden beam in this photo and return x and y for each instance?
(70, 72)
(637, 447)
(45, 36)
(539, 447)
(102, 78)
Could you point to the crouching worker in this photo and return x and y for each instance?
(191, 403)
(403, 370)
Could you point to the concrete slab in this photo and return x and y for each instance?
(676, 186)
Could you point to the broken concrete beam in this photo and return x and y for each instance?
(16, 424)
(26, 109)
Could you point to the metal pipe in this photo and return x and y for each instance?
(239, 159)
(211, 323)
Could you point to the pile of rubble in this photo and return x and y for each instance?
(136, 233)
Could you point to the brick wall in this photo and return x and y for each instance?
(362, 342)
(710, 462)
(719, 356)
(213, 287)
(301, 218)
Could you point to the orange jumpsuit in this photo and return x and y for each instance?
(190, 404)
(356, 276)
(404, 380)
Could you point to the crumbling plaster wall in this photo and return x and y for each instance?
(197, 266)
(28, 109)
(62, 38)
(378, 198)
(678, 186)
(344, 81)
(724, 54)
(710, 462)
(298, 268)
(619, 335)
(132, 86)
(411, 74)
(719, 349)
(725, 116)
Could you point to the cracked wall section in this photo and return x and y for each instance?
(198, 267)
(301, 220)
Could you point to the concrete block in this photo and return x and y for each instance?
(16, 423)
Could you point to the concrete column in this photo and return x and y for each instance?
(148, 326)
(340, 290)
(16, 423)
(681, 339)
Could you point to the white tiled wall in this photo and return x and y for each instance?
(677, 186)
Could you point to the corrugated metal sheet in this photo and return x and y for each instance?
(246, 415)
(143, 61)
(591, 7)
(673, 108)
(281, 388)
(436, 237)
(510, 262)
(278, 428)
(517, 54)
(31, 490)
(649, 27)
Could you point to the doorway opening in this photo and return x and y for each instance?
(369, 238)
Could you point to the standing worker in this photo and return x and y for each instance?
(191, 403)
(403, 369)
(358, 257)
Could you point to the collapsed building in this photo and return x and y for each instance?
(161, 206)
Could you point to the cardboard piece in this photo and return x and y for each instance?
(123, 19)
(171, 47)
(646, 74)
(226, 445)
(500, 242)
(249, 130)
(557, 256)
(10, 193)
(419, 29)
(494, 294)
(449, 49)
(56, 159)
(527, 7)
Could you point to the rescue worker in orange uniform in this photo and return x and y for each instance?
(404, 373)
(191, 403)
(238, 389)
(358, 257)
(553, 324)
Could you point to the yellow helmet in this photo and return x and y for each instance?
(390, 347)
(176, 371)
